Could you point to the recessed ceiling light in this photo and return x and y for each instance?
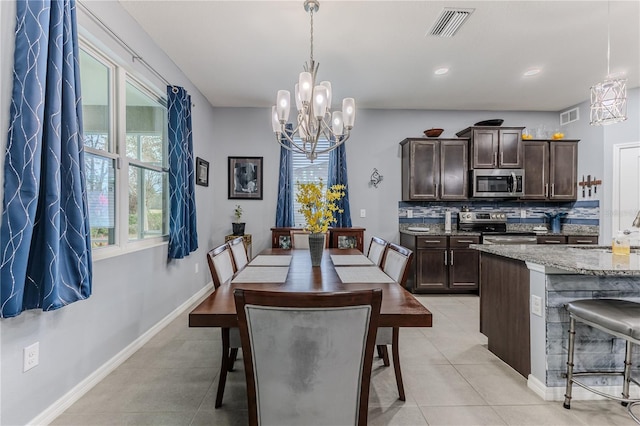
(532, 71)
(441, 71)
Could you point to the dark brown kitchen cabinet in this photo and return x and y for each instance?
(434, 169)
(550, 170)
(442, 264)
(551, 239)
(494, 147)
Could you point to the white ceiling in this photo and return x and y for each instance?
(239, 53)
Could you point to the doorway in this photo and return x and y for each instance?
(626, 186)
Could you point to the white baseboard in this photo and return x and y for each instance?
(64, 402)
(577, 393)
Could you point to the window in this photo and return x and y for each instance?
(305, 171)
(125, 138)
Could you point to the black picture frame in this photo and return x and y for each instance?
(202, 172)
(245, 178)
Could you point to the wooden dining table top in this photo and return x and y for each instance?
(399, 307)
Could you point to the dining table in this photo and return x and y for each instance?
(276, 269)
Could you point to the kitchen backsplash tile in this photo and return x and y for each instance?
(579, 213)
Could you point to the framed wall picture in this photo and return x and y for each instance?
(202, 172)
(245, 178)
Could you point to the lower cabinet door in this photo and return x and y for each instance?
(431, 269)
(464, 268)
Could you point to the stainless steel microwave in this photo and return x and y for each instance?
(497, 183)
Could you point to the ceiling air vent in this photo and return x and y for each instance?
(449, 21)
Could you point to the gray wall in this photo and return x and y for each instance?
(129, 299)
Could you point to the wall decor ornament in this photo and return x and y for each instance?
(245, 178)
(202, 172)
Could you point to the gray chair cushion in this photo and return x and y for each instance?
(619, 316)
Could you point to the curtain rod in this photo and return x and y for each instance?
(133, 53)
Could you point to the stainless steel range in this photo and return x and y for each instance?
(493, 227)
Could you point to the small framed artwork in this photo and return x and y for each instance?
(202, 172)
(245, 178)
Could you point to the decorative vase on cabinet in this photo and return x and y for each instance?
(316, 246)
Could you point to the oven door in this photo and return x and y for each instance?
(509, 239)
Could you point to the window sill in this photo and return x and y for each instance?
(115, 251)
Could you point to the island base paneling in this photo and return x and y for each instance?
(504, 310)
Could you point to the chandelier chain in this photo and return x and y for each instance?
(608, 37)
(311, 12)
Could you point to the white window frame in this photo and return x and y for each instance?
(119, 76)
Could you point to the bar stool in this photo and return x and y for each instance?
(620, 318)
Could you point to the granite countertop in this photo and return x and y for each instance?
(438, 232)
(584, 260)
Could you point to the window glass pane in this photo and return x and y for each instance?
(305, 171)
(146, 127)
(101, 186)
(94, 77)
(148, 211)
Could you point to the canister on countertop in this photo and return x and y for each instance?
(447, 221)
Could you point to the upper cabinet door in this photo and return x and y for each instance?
(453, 170)
(536, 170)
(420, 169)
(484, 144)
(510, 152)
(563, 170)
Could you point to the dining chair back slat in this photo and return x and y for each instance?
(293, 371)
(239, 252)
(220, 264)
(376, 250)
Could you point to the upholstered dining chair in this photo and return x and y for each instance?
(222, 270)
(300, 239)
(376, 250)
(239, 253)
(294, 374)
(395, 263)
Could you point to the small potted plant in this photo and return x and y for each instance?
(238, 227)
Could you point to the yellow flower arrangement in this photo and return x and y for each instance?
(318, 204)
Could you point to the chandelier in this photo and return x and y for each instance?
(609, 98)
(313, 101)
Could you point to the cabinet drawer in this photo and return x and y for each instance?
(560, 239)
(431, 242)
(455, 242)
(590, 239)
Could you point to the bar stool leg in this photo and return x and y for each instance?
(627, 372)
(572, 337)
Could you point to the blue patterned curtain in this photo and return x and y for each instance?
(338, 176)
(183, 235)
(284, 206)
(44, 235)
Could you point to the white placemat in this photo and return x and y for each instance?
(346, 259)
(362, 274)
(275, 260)
(262, 274)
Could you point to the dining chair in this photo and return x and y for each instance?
(294, 374)
(239, 253)
(222, 270)
(376, 250)
(395, 263)
(300, 239)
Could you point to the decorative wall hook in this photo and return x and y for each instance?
(376, 178)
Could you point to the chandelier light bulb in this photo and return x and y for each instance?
(283, 105)
(297, 96)
(327, 84)
(349, 112)
(305, 83)
(275, 123)
(320, 101)
(336, 123)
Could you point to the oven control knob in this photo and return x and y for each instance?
(502, 216)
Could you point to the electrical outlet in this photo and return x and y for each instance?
(409, 214)
(536, 305)
(363, 213)
(523, 214)
(31, 356)
(197, 267)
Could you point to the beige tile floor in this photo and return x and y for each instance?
(450, 379)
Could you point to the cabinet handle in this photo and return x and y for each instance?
(432, 241)
(436, 190)
(495, 158)
(502, 157)
(546, 190)
(552, 242)
(553, 192)
(584, 241)
(445, 257)
(451, 258)
(466, 241)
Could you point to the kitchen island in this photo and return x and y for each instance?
(523, 290)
